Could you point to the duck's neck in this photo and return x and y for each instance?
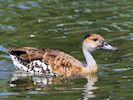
(89, 59)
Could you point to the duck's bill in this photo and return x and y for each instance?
(107, 46)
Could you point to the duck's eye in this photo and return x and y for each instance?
(95, 39)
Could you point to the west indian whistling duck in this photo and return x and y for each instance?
(55, 62)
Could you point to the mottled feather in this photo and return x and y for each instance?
(60, 62)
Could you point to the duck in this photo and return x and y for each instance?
(50, 62)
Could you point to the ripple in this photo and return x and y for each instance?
(7, 27)
(37, 92)
(122, 69)
(127, 55)
(27, 5)
(2, 48)
(118, 27)
(118, 38)
(130, 37)
(8, 94)
(61, 37)
(106, 29)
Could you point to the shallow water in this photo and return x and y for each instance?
(62, 24)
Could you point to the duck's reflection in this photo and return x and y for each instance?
(89, 86)
(31, 82)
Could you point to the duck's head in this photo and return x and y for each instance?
(95, 41)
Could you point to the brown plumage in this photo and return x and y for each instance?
(62, 63)
(28, 53)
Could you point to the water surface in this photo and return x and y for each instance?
(62, 25)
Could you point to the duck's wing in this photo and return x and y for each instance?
(62, 63)
(30, 60)
(27, 53)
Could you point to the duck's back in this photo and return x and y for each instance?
(45, 61)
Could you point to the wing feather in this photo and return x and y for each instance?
(60, 62)
(28, 53)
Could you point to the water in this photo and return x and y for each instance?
(62, 25)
